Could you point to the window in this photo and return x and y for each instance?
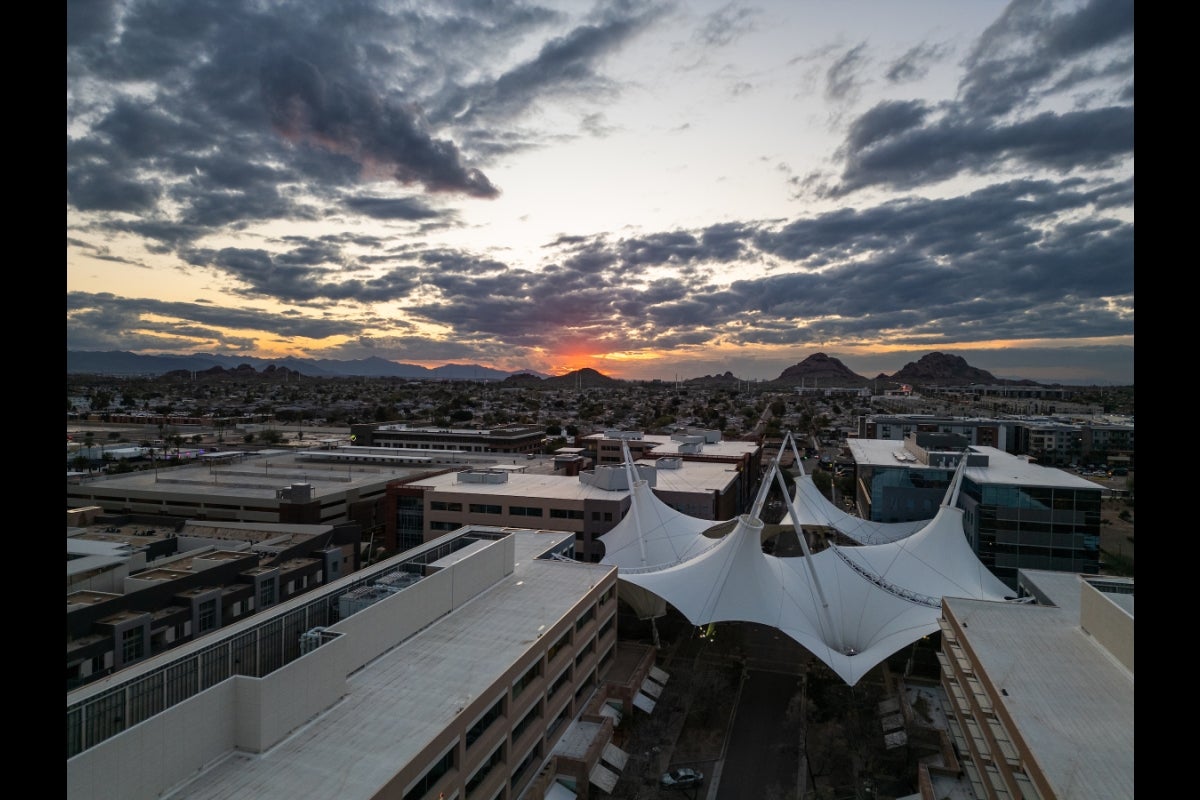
(479, 508)
(266, 593)
(133, 644)
(444, 526)
(441, 505)
(585, 618)
(557, 647)
(529, 677)
(533, 716)
(563, 513)
(207, 619)
(563, 678)
(431, 777)
(525, 511)
(480, 727)
(495, 758)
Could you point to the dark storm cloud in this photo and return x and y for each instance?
(102, 321)
(309, 274)
(1028, 55)
(887, 120)
(916, 156)
(201, 148)
(303, 104)
(89, 19)
(1020, 53)
(981, 266)
(566, 64)
(107, 188)
(406, 208)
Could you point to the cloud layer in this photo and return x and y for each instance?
(317, 179)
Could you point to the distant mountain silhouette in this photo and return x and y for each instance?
(942, 369)
(115, 362)
(585, 378)
(821, 370)
(817, 370)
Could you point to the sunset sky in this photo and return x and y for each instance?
(650, 189)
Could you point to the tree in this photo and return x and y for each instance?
(823, 481)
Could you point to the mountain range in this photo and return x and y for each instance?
(817, 370)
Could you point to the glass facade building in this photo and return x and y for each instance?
(1032, 527)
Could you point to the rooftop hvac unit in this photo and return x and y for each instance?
(398, 580)
(482, 476)
(310, 640)
(296, 493)
(356, 600)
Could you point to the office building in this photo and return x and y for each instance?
(482, 666)
(1055, 440)
(507, 440)
(136, 589)
(743, 459)
(1018, 513)
(1041, 692)
(587, 504)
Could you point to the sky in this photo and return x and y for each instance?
(648, 189)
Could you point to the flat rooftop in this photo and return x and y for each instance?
(259, 474)
(1070, 699)
(1002, 467)
(692, 476)
(402, 700)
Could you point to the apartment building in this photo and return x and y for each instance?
(1053, 440)
(136, 589)
(387, 683)
(1041, 693)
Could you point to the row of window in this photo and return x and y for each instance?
(519, 511)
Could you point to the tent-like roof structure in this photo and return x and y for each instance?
(816, 509)
(852, 607)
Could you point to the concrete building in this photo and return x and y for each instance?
(1041, 693)
(136, 589)
(997, 433)
(503, 440)
(321, 486)
(588, 504)
(483, 666)
(1056, 440)
(744, 459)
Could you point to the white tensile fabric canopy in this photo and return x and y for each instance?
(852, 607)
(816, 509)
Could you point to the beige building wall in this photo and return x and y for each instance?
(1109, 623)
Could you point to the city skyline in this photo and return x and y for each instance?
(649, 190)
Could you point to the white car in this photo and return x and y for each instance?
(681, 778)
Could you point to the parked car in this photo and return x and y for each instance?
(682, 778)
